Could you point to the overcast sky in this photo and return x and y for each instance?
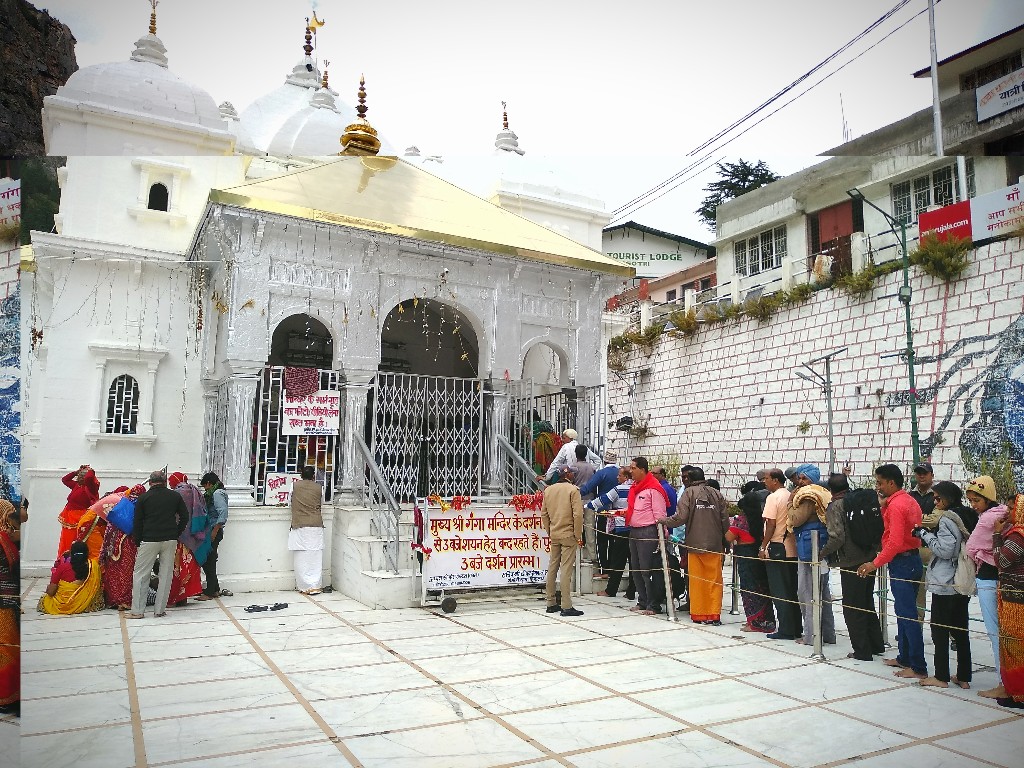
(614, 95)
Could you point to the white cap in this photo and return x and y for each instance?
(570, 433)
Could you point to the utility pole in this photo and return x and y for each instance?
(904, 295)
(936, 109)
(825, 382)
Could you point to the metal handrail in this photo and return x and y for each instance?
(385, 525)
(510, 482)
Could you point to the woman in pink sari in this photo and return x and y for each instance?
(117, 557)
(193, 544)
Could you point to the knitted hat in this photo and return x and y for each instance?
(984, 486)
(611, 457)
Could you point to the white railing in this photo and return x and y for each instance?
(378, 498)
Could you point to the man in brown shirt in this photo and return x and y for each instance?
(306, 534)
(562, 516)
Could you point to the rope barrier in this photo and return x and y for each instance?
(889, 600)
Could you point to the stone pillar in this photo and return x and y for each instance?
(148, 399)
(241, 398)
(496, 405)
(211, 455)
(95, 425)
(353, 422)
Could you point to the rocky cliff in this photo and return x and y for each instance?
(37, 55)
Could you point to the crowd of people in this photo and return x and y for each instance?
(136, 546)
(790, 524)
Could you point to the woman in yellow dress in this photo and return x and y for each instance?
(75, 584)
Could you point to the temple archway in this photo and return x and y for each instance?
(547, 365)
(429, 338)
(296, 418)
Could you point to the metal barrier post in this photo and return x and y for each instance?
(579, 572)
(735, 610)
(670, 603)
(816, 597)
(883, 604)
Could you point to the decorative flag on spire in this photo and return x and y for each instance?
(315, 23)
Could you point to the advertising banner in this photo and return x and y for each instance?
(471, 548)
(952, 221)
(997, 213)
(1000, 95)
(316, 414)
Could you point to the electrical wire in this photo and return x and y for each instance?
(874, 25)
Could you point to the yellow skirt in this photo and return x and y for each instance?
(705, 574)
(76, 596)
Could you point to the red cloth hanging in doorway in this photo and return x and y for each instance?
(301, 382)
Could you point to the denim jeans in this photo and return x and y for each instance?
(905, 572)
(988, 598)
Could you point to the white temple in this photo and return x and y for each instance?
(160, 319)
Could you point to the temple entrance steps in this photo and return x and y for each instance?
(359, 564)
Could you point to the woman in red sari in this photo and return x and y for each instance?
(117, 556)
(10, 613)
(187, 580)
(1009, 551)
(85, 491)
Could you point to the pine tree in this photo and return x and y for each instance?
(734, 179)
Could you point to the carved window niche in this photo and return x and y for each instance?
(124, 388)
(159, 191)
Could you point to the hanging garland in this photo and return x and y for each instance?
(527, 501)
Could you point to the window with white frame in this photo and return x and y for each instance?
(122, 406)
(671, 295)
(911, 197)
(761, 252)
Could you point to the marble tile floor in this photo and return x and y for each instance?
(499, 682)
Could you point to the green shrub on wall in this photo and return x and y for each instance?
(998, 467)
(944, 259)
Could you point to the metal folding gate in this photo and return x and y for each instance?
(288, 454)
(427, 434)
(582, 409)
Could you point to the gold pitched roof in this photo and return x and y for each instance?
(386, 194)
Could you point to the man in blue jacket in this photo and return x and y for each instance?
(604, 480)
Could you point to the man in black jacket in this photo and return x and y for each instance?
(160, 517)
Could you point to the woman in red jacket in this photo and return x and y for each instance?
(85, 491)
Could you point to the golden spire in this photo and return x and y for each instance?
(360, 138)
(504, 116)
(152, 16)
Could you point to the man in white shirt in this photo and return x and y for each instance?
(566, 457)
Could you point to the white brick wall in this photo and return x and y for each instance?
(703, 392)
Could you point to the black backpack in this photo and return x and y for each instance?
(864, 518)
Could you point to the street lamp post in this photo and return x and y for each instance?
(904, 295)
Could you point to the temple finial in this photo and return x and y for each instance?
(504, 116)
(360, 138)
(308, 46)
(152, 16)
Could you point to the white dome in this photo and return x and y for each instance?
(265, 117)
(141, 86)
(314, 130)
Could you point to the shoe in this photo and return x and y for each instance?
(225, 593)
(1008, 702)
(204, 597)
(552, 609)
(630, 595)
(571, 612)
(278, 606)
(779, 636)
(656, 609)
(712, 623)
(256, 608)
(853, 655)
